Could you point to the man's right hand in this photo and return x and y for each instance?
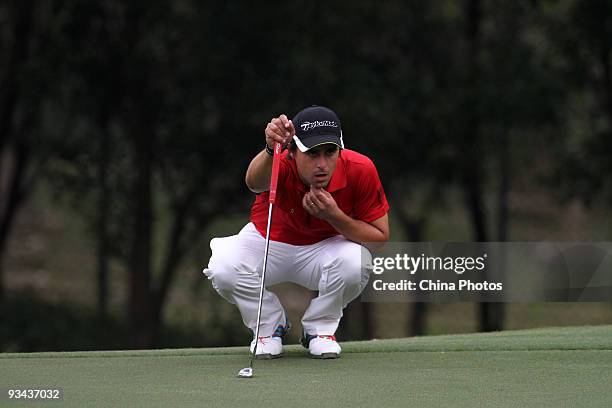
(279, 130)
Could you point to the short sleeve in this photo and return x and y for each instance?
(284, 174)
(370, 200)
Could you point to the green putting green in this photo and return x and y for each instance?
(528, 368)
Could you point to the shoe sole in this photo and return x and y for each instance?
(267, 356)
(325, 356)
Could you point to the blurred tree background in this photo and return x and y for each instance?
(126, 128)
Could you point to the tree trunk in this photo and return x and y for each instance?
(14, 198)
(140, 310)
(414, 227)
(472, 170)
(472, 179)
(367, 326)
(103, 218)
(10, 86)
(14, 163)
(604, 58)
(174, 254)
(418, 320)
(497, 312)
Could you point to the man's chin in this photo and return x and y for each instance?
(320, 183)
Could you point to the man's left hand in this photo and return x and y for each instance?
(319, 203)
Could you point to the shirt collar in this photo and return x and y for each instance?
(338, 180)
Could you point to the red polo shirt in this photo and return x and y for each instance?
(354, 185)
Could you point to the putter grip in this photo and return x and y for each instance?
(275, 168)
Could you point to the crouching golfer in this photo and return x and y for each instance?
(329, 201)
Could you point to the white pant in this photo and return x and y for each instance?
(332, 266)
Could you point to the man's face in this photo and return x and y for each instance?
(317, 165)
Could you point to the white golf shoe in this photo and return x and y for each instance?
(271, 346)
(322, 346)
(268, 347)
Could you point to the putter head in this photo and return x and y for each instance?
(245, 373)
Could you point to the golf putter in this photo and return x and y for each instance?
(247, 372)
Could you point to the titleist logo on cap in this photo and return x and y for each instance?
(317, 123)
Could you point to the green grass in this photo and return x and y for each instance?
(540, 368)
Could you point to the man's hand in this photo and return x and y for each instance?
(257, 176)
(319, 203)
(279, 130)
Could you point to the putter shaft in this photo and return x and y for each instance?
(263, 280)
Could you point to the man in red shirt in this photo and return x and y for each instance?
(330, 204)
